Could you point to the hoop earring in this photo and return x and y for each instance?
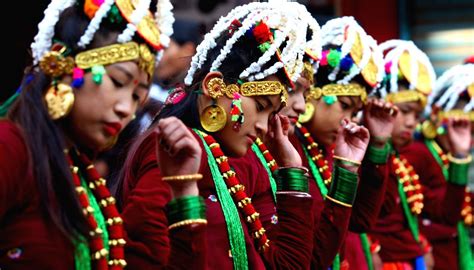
(428, 129)
(59, 100)
(213, 118)
(308, 113)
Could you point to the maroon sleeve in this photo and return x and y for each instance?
(331, 222)
(150, 245)
(370, 196)
(13, 167)
(442, 200)
(290, 238)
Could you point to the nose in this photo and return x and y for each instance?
(125, 106)
(410, 121)
(299, 104)
(261, 125)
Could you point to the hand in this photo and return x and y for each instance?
(178, 153)
(429, 260)
(377, 261)
(278, 143)
(379, 118)
(351, 142)
(459, 136)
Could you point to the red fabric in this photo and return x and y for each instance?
(22, 223)
(354, 254)
(149, 244)
(331, 221)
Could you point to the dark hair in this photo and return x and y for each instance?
(244, 52)
(43, 136)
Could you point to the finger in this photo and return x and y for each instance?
(185, 145)
(285, 123)
(278, 131)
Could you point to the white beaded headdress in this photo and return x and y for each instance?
(354, 43)
(284, 18)
(450, 86)
(403, 58)
(156, 29)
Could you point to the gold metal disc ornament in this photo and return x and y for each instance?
(428, 129)
(308, 113)
(59, 99)
(213, 118)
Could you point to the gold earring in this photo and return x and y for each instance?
(428, 129)
(59, 99)
(308, 113)
(213, 118)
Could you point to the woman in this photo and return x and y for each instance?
(411, 173)
(89, 76)
(450, 98)
(349, 68)
(236, 82)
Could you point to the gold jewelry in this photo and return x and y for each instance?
(54, 64)
(308, 72)
(354, 162)
(423, 83)
(187, 222)
(428, 128)
(370, 71)
(459, 161)
(213, 118)
(308, 113)
(117, 53)
(59, 100)
(338, 202)
(185, 177)
(333, 89)
(456, 113)
(217, 88)
(407, 96)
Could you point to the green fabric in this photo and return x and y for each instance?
(343, 186)
(336, 265)
(82, 256)
(7, 104)
(412, 219)
(317, 176)
(292, 179)
(464, 247)
(377, 155)
(364, 239)
(465, 252)
(188, 207)
(231, 213)
(260, 156)
(458, 173)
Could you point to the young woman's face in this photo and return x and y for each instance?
(257, 112)
(101, 111)
(405, 123)
(326, 120)
(296, 103)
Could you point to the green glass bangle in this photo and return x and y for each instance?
(292, 179)
(183, 208)
(377, 155)
(458, 173)
(344, 186)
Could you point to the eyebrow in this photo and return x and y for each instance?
(130, 76)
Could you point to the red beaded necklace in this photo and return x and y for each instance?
(316, 154)
(237, 191)
(109, 210)
(441, 154)
(410, 183)
(271, 163)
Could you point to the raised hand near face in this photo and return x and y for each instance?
(278, 143)
(179, 154)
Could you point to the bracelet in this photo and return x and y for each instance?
(338, 202)
(187, 222)
(377, 155)
(292, 179)
(458, 173)
(349, 161)
(186, 208)
(185, 177)
(459, 161)
(343, 188)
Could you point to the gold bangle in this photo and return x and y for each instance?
(355, 162)
(338, 202)
(185, 177)
(465, 160)
(187, 222)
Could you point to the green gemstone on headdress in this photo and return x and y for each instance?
(264, 46)
(334, 58)
(114, 15)
(329, 100)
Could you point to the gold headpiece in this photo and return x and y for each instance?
(352, 89)
(217, 88)
(308, 72)
(456, 113)
(407, 96)
(118, 53)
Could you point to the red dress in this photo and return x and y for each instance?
(28, 240)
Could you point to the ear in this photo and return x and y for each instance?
(211, 75)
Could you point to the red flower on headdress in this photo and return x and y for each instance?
(234, 25)
(262, 33)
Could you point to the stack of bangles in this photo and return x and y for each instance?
(346, 161)
(344, 182)
(459, 169)
(292, 179)
(187, 210)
